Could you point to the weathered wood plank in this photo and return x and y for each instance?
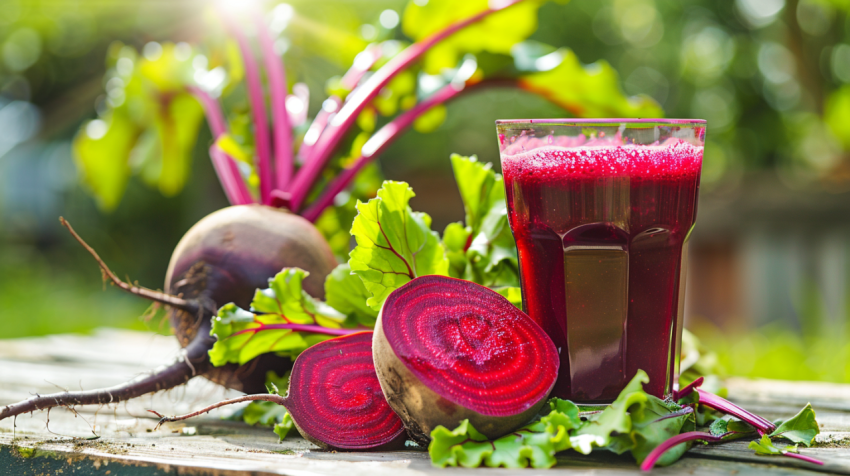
(129, 445)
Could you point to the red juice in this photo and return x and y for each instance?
(601, 230)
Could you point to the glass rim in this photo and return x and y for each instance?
(599, 121)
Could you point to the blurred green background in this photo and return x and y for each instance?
(769, 277)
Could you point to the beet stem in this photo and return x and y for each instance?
(276, 74)
(805, 458)
(362, 64)
(258, 109)
(358, 100)
(267, 397)
(317, 127)
(684, 411)
(659, 450)
(721, 404)
(689, 389)
(375, 145)
(225, 167)
(194, 362)
(303, 328)
(190, 306)
(385, 136)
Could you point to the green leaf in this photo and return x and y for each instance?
(101, 151)
(431, 119)
(456, 237)
(263, 413)
(587, 90)
(463, 446)
(635, 422)
(242, 335)
(480, 188)
(491, 257)
(533, 445)
(837, 114)
(228, 144)
(335, 222)
(765, 447)
(177, 124)
(394, 244)
(802, 428)
(739, 429)
(152, 123)
(495, 34)
(652, 424)
(614, 419)
(512, 294)
(344, 291)
(286, 425)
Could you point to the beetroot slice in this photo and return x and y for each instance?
(477, 355)
(336, 401)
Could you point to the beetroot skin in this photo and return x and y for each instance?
(228, 255)
(446, 350)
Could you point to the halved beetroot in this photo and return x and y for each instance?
(446, 350)
(335, 399)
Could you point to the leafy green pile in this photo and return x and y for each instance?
(654, 431)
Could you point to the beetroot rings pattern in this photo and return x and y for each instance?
(448, 349)
(336, 401)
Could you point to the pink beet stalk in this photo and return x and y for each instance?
(363, 63)
(807, 459)
(358, 99)
(721, 404)
(303, 328)
(688, 389)
(659, 450)
(329, 108)
(278, 89)
(225, 168)
(302, 94)
(212, 110)
(376, 144)
(230, 177)
(258, 111)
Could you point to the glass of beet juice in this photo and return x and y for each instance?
(601, 211)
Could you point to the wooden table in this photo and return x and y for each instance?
(129, 445)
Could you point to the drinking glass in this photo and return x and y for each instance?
(601, 211)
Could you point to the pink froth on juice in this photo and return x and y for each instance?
(601, 214)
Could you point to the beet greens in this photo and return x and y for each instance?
(654, 431)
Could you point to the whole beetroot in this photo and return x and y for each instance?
(223, 258)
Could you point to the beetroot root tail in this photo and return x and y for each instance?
(190, 306)
(267, 397)
(195, 362)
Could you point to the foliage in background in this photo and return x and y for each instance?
(151, 120)
(776, 352)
